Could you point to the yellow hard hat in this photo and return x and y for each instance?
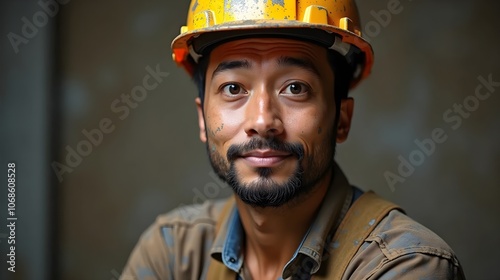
(332, 23)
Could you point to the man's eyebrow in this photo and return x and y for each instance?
(229, 65)
(298, 62)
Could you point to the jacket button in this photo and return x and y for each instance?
(232, 260)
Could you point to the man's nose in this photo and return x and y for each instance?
(263, 115)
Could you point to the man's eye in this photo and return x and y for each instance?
(232, 89)
(295, 88)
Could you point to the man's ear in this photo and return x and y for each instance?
(345, 116)
(201, 120)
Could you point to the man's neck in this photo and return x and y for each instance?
(274, 234)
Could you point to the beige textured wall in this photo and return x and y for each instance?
(428, 57)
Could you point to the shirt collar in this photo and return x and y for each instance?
(307, 258)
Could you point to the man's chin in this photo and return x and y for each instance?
(264, 172)
(266, 192)
(265, 178)
(279, 175)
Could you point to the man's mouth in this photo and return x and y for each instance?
(264, 158)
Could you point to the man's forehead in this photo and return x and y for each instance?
(244, 53)
(281, 61)
(255, 48)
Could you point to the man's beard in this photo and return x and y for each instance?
(265, 192)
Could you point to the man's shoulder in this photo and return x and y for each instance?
(401, 248)
(398, 234)
(181, 236)
(185, 220)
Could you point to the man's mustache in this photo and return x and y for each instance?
(236, 150)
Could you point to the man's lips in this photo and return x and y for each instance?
(264, 158)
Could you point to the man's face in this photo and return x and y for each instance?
(268, 118)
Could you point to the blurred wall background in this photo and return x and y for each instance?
(96, 168)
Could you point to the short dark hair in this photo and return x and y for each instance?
(342, 72)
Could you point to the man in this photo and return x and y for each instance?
(273, 78)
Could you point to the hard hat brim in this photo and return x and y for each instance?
(203, 39)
